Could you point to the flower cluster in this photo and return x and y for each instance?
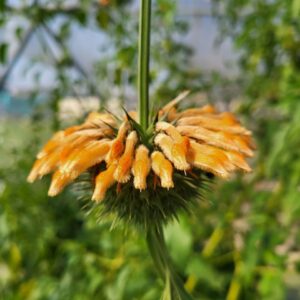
(181, 141)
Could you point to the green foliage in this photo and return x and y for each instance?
(170, 69)
(242, 242)
(50, 249)
(267, 34)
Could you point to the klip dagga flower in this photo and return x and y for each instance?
(146, 174)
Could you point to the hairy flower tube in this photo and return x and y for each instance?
(144, 175)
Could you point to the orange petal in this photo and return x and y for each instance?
(219, 155)
(169, 109)
(34, 173)
(226, 117)
(72, 129)
(249, 141)
(76, 162)
(96, 117)
(122, 173)
(163, 169)
(95, 120)
(170, 130)
(94, 132)
(205, 158)
(44, 166)
(117, 146)
(191, 112)
(59, 181)
(214, 124)
(181, 141)
(175, 152)
(104, 181)
(219, 139)
(81, 159)
(78, 143)
(141, 167)
(238, 160)
(52, 144)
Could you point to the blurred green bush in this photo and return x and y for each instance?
(242, 243)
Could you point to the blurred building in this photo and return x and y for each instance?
(85, 43)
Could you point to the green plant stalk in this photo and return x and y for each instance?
(174, 287)
(144, 58)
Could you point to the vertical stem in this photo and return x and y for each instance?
(144, 56)
(174, 287)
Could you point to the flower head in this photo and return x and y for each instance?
(127, 164)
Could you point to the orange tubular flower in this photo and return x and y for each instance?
(104, 181)
(207, 109)
(170, 130)
(218, 139)
(59, 181)
(77, 163)
(169, 110)
(117, 146)
(79, 160)
(163, 169)
(122, 173)
(175, 152)
(213, 123)
(182, 142)
(209, 159)
(51, 144)
(141, 167)
(196, 138)
(44, 166)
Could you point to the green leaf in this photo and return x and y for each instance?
(295, 8)
(103, 18)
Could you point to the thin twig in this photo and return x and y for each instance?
(17, 56)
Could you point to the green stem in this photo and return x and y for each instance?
(174, 287)
(144, 57)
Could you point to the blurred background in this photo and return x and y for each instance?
(61, 59)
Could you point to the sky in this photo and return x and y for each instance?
(85, 44)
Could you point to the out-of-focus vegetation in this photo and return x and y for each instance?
(242, 243)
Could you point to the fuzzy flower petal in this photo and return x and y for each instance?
(141, 167)
(44, 166)
(122, 173)
(213, 124)
(104, 181)
(58, 182)
(219, 139)
(117, 146)
(207, 159)
(169, 110)
(191, 112)
(163, 169)
(170, 130)
(81, 159)
(52, 144)
(175, 152)
(76, 163)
